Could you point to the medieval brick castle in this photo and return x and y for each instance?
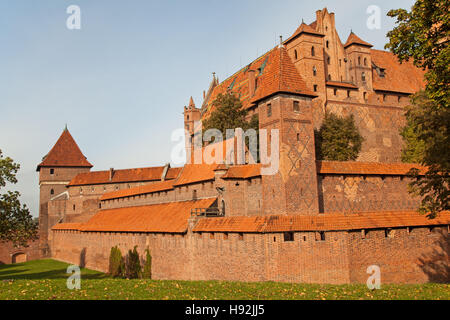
(313, 221)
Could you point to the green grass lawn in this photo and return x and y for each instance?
(46, 279)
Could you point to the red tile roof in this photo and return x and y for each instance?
(243, 172)
(159, 218)
(275, 72)
(123, 176)
(147, 189)
(280, 76)
(354, 39)
(194, 173)
(67, 226)
(323, 222)
(65, 153)
(366, 168)
(405, 77)
(304, 28)
(341, 84)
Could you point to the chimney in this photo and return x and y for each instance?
(164, 174)
(111, 174)
(251, 82)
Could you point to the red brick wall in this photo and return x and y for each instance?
(343, 257)
(8, 252)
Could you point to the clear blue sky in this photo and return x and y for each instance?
(120, 83)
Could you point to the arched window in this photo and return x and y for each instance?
(363, 77)
(328, 44)
(194, 195)
(295, 54)
(328, 60)
(314, 71)
(52, 192)
(359, 61)
(329, 77)
(313, 51)
(223, 207)
(365, 61)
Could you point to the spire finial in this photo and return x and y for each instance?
(65, 128)
(281, 41)
(303, 21)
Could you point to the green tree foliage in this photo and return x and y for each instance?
(116, 263)
(147, 270)
(16, 223)
(414, 147)
(338, 139)
(229, 114)
(133, 264)
(422, 34)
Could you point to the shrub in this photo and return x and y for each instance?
(133, 264)
(338, 139)
(147, 272)
(116, 263)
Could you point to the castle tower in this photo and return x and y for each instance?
(64, 161)
(192, 116)
(284, 103)
(360, 63)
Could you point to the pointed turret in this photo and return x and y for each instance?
(191, 103)
(354, 39)
(65, 153)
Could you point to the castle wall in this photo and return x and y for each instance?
(11, 254)
(358, 193)
(342, 257)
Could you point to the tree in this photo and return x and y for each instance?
(423, 35)
(133, 264)
(414, 147)
(338, 139)
(116, 263)
(229, 114)
(16, 223)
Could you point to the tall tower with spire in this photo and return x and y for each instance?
(64, 161)
(192, 115)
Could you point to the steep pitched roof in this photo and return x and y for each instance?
(275, 72)
(65, 153)
(304, 28)
(122, 176)
(281, 76)
(404, 77)
(324, 222)
(354, 39)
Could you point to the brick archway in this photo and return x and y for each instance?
(19, 257)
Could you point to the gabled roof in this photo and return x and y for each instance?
(280, 76)
(243, 171)
(354, 39)
(275, 72)
(123, 176)
(323, 222)
(65, 153)
(195, 173)
(404, 77)
(304, 28)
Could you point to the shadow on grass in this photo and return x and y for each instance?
(40, 270)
